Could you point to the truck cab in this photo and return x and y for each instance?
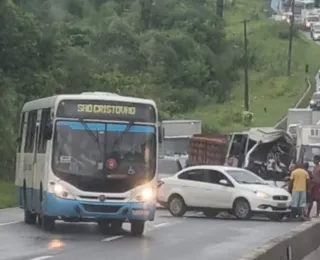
(308, 143)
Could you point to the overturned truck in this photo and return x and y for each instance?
(250, 149)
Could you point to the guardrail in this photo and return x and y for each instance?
(295, 245)
(282, 123)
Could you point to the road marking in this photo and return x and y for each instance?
(162, 224)
(41, 257)
(108, 239)
(9, 223)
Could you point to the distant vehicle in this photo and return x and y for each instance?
(214, 189)
(315, 31)
(301, 6)
(310, 20)
(88, 157)
(315, 101)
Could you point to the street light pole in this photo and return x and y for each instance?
(290, 38)
(246, 77)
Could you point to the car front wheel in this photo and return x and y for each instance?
(176, 206)
(242, 209)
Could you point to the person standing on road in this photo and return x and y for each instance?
(315, 186)
(298, 188)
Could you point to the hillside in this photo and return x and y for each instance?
(269, 86)
(177, 52)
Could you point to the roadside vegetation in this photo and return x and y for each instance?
(177, 52)
(271, 91)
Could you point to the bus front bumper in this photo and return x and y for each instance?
(80, 210)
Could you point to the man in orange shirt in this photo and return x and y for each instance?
(298, 187)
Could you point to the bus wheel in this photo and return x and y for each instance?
(47, 223)
(116, 227)
(30, 218)
(104, 226)
(137, 228)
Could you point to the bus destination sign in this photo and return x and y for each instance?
(106, 110)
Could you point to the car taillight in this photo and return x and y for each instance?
(160, 183)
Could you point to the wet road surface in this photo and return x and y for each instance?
(170, 238)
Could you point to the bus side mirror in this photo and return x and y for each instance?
(160, 133)
(47, 132)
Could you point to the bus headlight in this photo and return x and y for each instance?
(62, 192)
(147, 194)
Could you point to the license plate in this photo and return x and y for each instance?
(140, 212)
(282, 205)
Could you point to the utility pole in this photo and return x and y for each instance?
(290, 38)
(220, 8)
(246, 65)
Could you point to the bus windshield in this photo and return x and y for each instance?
(104, 157)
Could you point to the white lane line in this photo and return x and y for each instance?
(162, 224)
(108, 239)
(41, 257)
(10, 223)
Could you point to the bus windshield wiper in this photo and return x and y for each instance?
(120, 137)
(94, 137)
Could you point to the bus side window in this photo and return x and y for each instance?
(21, 131)
(45, 119)
(31, 127)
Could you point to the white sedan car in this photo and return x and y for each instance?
(214, 189)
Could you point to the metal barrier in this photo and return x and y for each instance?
(295, 245)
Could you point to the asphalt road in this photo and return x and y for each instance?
(191, 237)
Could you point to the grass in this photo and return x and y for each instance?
(7, 194)
(271, 91)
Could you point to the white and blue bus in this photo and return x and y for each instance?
(89, 157)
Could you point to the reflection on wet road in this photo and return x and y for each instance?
(166, 238)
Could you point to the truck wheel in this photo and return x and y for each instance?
(137, 228)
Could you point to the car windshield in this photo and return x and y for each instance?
(245, 177)
(102, 150)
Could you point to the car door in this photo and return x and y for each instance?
(221, 195)
(193, 188)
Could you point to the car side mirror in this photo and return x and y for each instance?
(47, 132)
(223, 182)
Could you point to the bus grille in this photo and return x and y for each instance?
(101, 208)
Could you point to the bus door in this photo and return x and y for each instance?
(35, 184)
